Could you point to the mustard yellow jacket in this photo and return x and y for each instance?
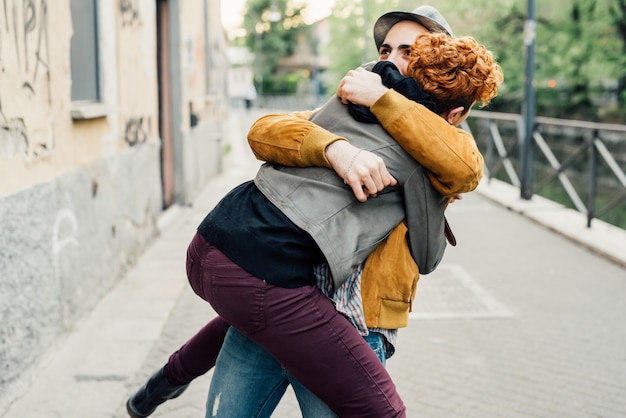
(450, 154)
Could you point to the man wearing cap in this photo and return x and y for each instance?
(430, 19)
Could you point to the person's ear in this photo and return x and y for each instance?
(455, 114)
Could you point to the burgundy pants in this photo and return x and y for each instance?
(299, 327)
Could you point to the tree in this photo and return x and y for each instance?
(580, 54)
(580, 49)
(352, 37)
(273, 27)
(618, 14)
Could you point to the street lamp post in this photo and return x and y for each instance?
(528, 110)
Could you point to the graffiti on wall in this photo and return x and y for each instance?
(64, 231)
(25, 124)
(135, 104)
(129, 11)
(13, 136)
(137, 130)
(33, 50)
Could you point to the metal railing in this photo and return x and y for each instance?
(586, 158)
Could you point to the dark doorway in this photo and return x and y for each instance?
(165, 104)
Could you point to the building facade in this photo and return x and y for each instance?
(110, 112)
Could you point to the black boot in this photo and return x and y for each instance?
(156, 391)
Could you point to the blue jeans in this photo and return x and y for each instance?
(249, 383)
(377, 343)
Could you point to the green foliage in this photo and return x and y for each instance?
(272, 40)
(580, 49)
(346, 46)
(282, 84)
(579, 57)
(352, 40)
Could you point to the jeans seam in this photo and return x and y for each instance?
(272, 392)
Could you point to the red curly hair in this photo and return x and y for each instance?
(454, 71)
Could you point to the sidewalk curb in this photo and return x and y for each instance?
(602, 238)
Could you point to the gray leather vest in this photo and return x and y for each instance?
(347, 230)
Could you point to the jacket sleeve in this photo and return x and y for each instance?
(291, 140)
(450, 154)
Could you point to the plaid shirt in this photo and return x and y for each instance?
(348, 301)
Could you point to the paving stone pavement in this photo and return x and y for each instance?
(520, 320)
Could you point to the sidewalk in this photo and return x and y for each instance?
(518, 321)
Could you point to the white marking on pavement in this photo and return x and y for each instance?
(452, 293)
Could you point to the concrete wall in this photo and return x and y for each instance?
(80, 196)
(201, 91)
(64, 243)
